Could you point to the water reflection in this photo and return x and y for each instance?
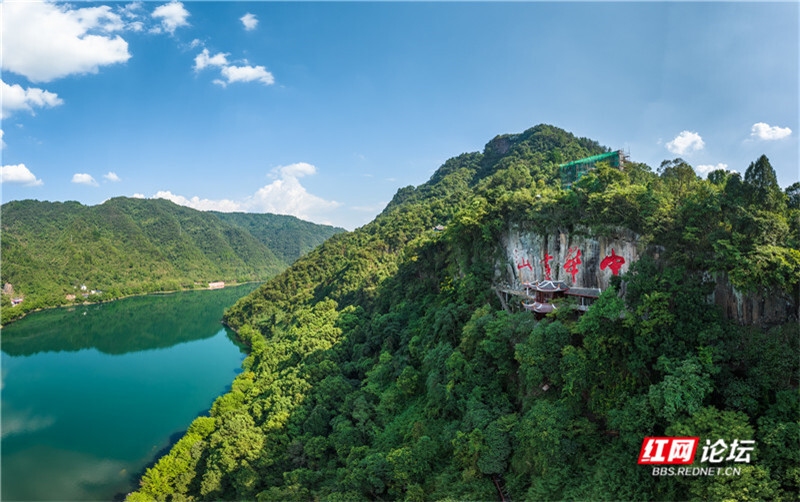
(89, 400)
(129, 325)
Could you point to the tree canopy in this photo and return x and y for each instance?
(382, 364)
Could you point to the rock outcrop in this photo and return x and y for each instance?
(524, 253)
(758, 309)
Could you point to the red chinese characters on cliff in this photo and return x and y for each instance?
(525, 263)
(571, 266)
(614, 262)
(546, 261)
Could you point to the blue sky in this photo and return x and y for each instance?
(324, 110)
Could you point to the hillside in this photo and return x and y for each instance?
(287, 237)
(384, 365)
(129, 246)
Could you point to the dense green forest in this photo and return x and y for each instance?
(382, 365)
(129, 246)
(286, 236)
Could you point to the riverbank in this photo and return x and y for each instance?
(146, 368)
(109, 300)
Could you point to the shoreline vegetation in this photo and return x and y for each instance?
(109, 300)
(53, 252)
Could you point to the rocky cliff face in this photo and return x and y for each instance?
(525, 256)
(753, 308)
(524, 261)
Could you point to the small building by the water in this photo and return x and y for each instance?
(16, 301)
(216, 285)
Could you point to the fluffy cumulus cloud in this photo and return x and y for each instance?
(111, 176)
(172, 16)
(686, 142)
(761, 130)
(231, 72)
(247, 74)
(43, 41)
(297, 170)
(223, 205)
(84, 179)
(17, 98)
(285, 195)
(288, 196)
(707, 168)
(19, 174)
(205, 60)
(249, 21)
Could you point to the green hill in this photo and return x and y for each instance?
(286, 236)
(383, 365)
(129, 246)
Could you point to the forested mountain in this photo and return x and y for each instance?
(383, 365)
(128, 246)
(286, 236)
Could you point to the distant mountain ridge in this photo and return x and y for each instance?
(128, 246)
(288, 237)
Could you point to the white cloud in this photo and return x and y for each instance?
(172, 16)
(297, 170)
(19, 174)
(138, 196)
(686, 142)
(16, 98)
(761, 130)
(131, 10)
(111, 176)
(231, 72)
(706, 168)
(248, 74)
(283, 196)
(84, 179)
(205, 59)
(288, 196)
(249, 21)
(2, 143)
(44, 41)
(223, 205)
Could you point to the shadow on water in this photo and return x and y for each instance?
(173, 438)
(123, 326)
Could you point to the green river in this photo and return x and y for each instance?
(91, 395)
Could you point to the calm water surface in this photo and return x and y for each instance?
(92, 394)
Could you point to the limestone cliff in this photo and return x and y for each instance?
(524, 251)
